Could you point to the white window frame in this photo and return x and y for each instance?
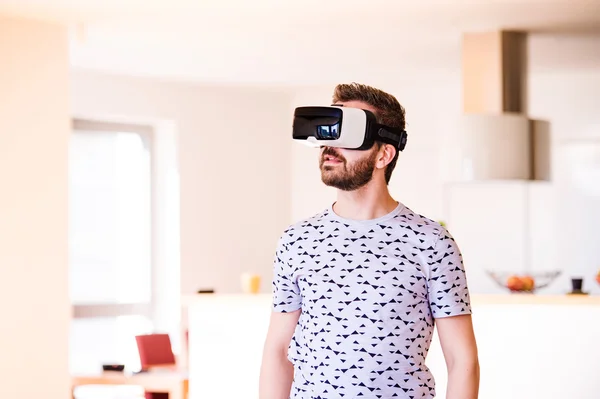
(110, 310)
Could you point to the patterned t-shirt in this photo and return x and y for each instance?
(369, 293)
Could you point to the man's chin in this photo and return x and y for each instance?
(333, 179)
(334, 182)
(329, 181)
(341, 187)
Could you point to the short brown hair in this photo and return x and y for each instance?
(389, 111)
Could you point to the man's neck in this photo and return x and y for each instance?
(369, 202)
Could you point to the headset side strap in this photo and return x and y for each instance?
(394, 137)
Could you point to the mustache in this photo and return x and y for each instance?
(332, 152)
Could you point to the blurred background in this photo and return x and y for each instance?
(146, 155)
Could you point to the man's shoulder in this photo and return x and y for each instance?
(304, 226)
(422, 229)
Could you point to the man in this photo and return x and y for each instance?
(358, 288)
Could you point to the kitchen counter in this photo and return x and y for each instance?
(476, 299)
(530, 346)
(536, 299)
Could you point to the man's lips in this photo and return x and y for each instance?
(331, 159)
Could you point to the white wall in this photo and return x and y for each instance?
(565, 89)
(489, 219)
(34, 132)
(233, 164)
(220, 176)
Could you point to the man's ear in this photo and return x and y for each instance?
(387, 152)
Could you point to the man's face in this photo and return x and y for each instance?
(345, 169)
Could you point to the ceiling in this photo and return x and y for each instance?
(291, 42)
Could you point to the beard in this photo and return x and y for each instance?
(347, 177)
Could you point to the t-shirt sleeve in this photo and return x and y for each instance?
(448, 289)
(286, 293)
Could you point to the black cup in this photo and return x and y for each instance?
(577, 284)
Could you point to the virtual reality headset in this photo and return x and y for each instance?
(343, 127)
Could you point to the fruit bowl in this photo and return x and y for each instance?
(523, 282)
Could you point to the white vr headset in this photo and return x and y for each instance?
(343, 127)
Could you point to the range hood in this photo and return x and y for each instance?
(495, 139)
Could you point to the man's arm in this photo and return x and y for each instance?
(458, 344)
(450, 302)
(277, 373)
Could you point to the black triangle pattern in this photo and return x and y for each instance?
(370, 293)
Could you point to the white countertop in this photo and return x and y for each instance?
(476, 299)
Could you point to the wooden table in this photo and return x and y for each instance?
(174, 383)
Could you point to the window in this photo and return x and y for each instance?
(110, 243)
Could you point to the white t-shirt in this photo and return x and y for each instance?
(369, 293)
